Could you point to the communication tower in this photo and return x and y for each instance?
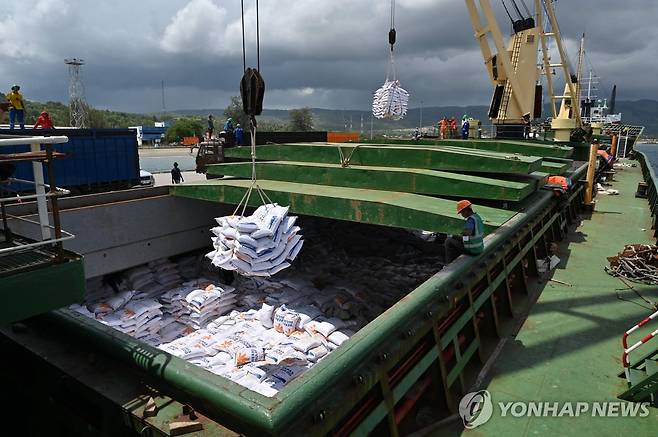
(78, 108)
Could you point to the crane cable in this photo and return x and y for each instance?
(518, 11)
(527, 10)
(507, 11)
(252, 120)
(392, 37)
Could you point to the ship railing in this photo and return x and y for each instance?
(48, 247)
(626, 362)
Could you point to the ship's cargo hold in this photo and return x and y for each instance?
(262, 244)
(276, 329)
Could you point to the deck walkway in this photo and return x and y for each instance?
(569, 347)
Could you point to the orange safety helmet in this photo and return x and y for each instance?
(462, 205)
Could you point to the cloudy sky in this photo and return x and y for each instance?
(318, 53)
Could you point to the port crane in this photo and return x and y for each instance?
(514, 70)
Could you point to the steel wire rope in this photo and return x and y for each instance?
(244, 202)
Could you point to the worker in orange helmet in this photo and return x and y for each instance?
(472, 238)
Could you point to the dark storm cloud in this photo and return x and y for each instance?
(315, 53)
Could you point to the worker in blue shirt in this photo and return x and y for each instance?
(239, 135)
(466, 127)
(228, 126)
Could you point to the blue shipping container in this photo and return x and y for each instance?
(96, 159)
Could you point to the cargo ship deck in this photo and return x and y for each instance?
(569, 347)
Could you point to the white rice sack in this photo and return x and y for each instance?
(323, 328)
(338, 338)
(305, 344)
(285, 321)
(285, 356)
(135, 309)
(120, 299)
(201, 298)
(285, 374)
(265, 315)
(248, 355)
(316, 353)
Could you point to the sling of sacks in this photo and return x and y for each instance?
(261, 244)
(391, 101)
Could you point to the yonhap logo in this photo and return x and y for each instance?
(476, 409)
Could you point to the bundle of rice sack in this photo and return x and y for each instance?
(165, 273)
(206, 305)
(390, 101)
(261, 244)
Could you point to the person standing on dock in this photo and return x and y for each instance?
(466, 127)
(16, 107)
(176, 175)
(443, 128)
(472, 238)
(453, 127)
(239, 135)
(211, 126)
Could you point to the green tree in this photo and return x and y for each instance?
(234, 111)
(184, 127)
(272, 126)
(301, 120)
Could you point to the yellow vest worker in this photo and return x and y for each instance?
(16, 107)
(16, 100)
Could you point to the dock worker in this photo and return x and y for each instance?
(44, 121)
(228, 126)
(176, 175)
(16, 107)
(229, 133)
(471, 241)
(239, 135)
(443, 127)
(466, 127)
(453, 127)
(211, 126)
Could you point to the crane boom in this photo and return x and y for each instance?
(512, 69)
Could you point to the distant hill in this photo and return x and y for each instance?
(640, 112)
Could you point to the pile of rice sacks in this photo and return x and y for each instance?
(261, 244)
(391, 101)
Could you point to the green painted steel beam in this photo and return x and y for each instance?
(530, 148)
(403, 210)
(419, 181)
(555, 168)
(521, 147)
(433, 158)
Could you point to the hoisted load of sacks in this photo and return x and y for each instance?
(261, 244)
